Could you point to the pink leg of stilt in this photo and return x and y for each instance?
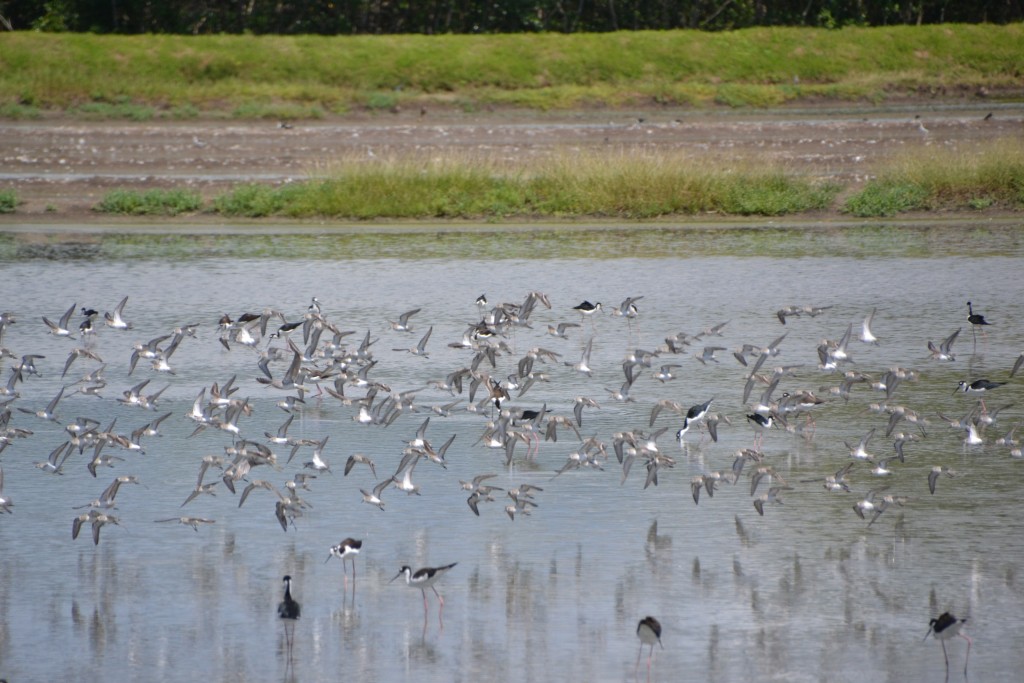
(968, 651)
(440, 609)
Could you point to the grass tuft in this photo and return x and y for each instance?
(930, 179)
(8, 201)
(630, 185)
(150, 203)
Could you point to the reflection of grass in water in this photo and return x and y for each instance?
(619, 184)
(930, 179)
(597, 242)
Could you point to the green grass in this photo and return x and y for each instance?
(256, 76)
(150, 203)
(930, 179)
(8, 201)
(112, 110)
(630, 186)
(627, 184)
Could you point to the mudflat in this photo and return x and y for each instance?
(60, 168)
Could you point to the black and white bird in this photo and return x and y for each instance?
(346, 550)
(649, 633)
(975, 318)
(425, 578)
(289, 610)
(944, 627)
(978, 386)
(760, 423)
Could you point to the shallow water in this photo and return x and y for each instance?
(809, 591)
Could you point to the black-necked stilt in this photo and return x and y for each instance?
(698, 412)
(760, 423)
(425, 578)
(288, 610)
(347, 549)
(945, 627)
(681, 432)
(587, 308)
(975, 318)
(978, 386)
(649, 633)
(285, 329)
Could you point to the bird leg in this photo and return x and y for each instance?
(968, 651)
(440, 609)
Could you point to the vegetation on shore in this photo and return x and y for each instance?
(944, 179)
(628, 187)
(245, 76)
(636, 186)
(8, 201)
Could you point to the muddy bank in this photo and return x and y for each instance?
(61, 169)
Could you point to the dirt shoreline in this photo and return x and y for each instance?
(60, 169)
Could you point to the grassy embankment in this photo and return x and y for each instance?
(145, 77)
(288, 77)
(631, 187)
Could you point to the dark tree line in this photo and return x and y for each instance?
(330, 17)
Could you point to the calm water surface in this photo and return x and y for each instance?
(809, 591)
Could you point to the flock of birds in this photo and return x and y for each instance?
(309, 357)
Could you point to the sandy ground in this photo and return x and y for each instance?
(60, 169)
